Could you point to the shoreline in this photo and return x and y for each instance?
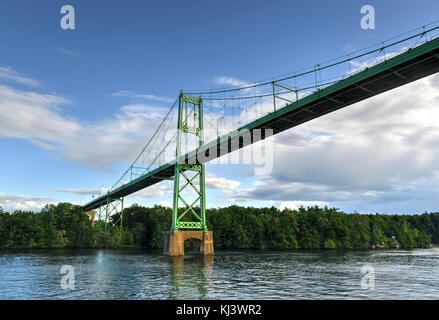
(221, 249)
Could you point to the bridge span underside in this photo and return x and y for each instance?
(414, 64)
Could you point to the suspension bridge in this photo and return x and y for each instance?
(184, 141)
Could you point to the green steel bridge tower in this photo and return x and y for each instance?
(189, 224)
(190, 121)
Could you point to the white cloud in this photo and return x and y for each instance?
(38, 118)
(68, 52)
(146, 111)
(162, 189)
(214, 182)
(11, 75)
(11, 202)
(230, 81)
(165, 204)
(147, 97)
(166, 188)
(295, 205)
(370, 155)
(374, 145)
(23, 114)
(364, 63)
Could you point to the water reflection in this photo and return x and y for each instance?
(190, 276)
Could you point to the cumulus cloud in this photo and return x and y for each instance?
(214, 182)
(381, 150)
(162, 189)
(272, 189)
(10, 202)
(38, 118)
(23, 111)
(373, 145)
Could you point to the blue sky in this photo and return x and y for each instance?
(68, 128)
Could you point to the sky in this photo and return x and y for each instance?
(78, 105)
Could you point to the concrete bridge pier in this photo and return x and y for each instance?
(174, 242)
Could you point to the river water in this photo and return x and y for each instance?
(240, 274)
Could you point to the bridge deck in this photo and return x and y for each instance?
(409, 66)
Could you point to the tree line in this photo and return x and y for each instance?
(66, 226)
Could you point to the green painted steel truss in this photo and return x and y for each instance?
(190, 121)
(102, 216)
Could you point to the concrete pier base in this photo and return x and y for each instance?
(174, 242)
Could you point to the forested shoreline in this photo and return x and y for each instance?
(66, 226)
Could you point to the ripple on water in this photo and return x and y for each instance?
(139, 274)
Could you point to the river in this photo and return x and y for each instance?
(238, 274)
